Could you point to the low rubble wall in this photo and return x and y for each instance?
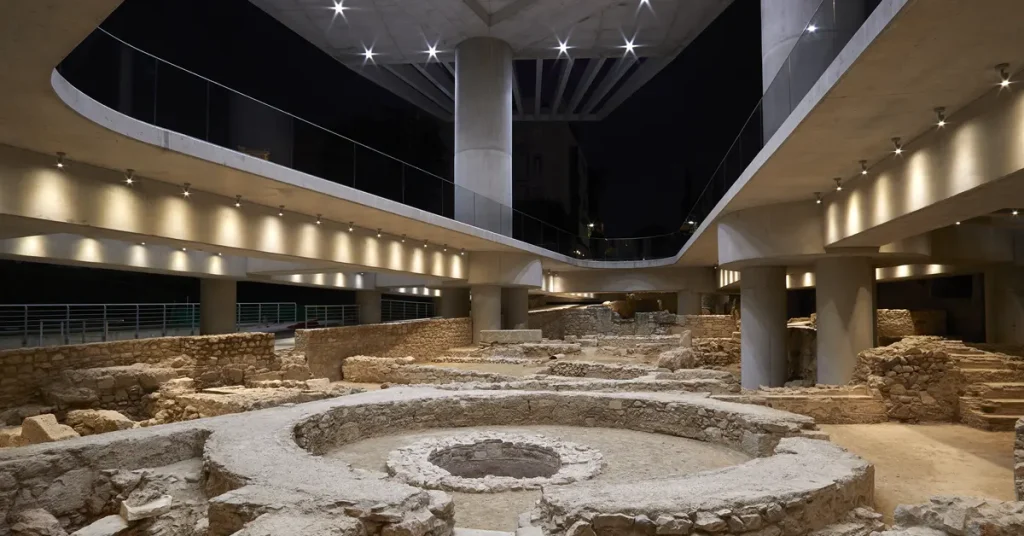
(210, 359)
(404, 371)
(916, 377)
(326, 349)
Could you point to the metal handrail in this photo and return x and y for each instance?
(331, 315)
(397, 310)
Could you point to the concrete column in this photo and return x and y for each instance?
(516, 305)
(218, 300)
(483, 134)
(485, 308)
(763, 310)
(454, 302)
(688, 302)
(369, 306)
(1004, 305)
(845, 303)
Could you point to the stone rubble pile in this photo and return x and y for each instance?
(959, 516)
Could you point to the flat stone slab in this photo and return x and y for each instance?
(510, 336)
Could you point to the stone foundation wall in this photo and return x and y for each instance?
(709, 326)
(1018, 460)
(599, 319)
(326, 349)
(716, 352)
(405, 371)
(916, 377)
(588, 369)
(211, 359)
(894, 324)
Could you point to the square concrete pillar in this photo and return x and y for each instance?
(369, 306)
(218, 301)
(485, 309)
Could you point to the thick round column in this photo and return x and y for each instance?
(845, 298)
(454, 302)
(485, 309)
(782, 23)
(688, 302)
(369, 306)
(483, 133)
(517, 308)
(763, 314)
(217, 306)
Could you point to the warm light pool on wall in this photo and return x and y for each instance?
(129, 176)
(897, 147)
(60, 160)
(940, 117)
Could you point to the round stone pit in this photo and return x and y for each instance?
(491, 462)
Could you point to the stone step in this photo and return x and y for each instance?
(459, 531)
(983, 362)
(999, 389)
(990, 422)
(1002, 406)
(984, 375)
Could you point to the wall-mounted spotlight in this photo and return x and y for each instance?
(897, 147)
(186, 190)
(691, 222)
(958, 223)
(425, 243)
(403, 239)
(238, 201)
(142, 243)
(1015, 212)
(463, 253)
(280, 210)
(60, 160)
(319, 219)
(351, 227)
(940, 116)
(817, 198)
(445, 248)
(839, 184)
(183, 249)
(1004, 77)
(863, 167)
(219, 254)
(129, 176)
(378, 233)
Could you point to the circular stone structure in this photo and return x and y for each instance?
(490, 462)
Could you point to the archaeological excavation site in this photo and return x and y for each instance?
(584, 423)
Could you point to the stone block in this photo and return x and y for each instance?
(154, 508)
(104, 526)
(318, 384)
(510, 336)
(45, 428)
(97, 421)
(10, 436)
(36, 522)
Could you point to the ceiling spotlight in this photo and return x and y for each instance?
(445, 248)
(897, 146)
(431, 52)
(691, 222)
(563, 47)
(817, 198)
(839, 184)
(958, 223)
(1014, 213)
(142, 243)
(185, 190)
(463, 253)
(129, 176)
(60, 160)
(940, 116)
(238, 201)
(425, 243)
(811, 28)
(368, 54)
(351, 227)
(378, 233)
(318, 219)
(339, 8)
(219, 254)
(403, 239)
(630, 45)
(280, 210)
(183, 249)
(863, 167)
(591, 225)
(1004, 77)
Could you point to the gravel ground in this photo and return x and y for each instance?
(628, 455)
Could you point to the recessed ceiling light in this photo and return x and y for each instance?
(811, 28)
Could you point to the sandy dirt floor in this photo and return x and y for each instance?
(627, 454)
(915, 462)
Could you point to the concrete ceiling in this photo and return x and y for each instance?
(399, 35)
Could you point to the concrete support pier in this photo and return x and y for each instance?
(483, 134)
(688, 302)
(218, 300)
(516, 306)
(1004, 304)
(763, 313)
(369, 306)
(845, 302)
(455, 302)
(485, 309)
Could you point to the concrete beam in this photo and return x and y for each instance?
(637, 280)
(505, 270)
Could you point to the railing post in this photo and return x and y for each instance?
(104, 336)
(259, 313)
(83, 331)
(191, 319)
(67, 322)
(136, 321)
(40, 333)
(24, 334)
(278, 319)
(163, 320)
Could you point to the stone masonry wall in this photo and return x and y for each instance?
(1018, 460)
(600, 319)
(405, 371)
(709, 326)
(916, 377)
(716, 352)
(326, 349)
(894, 324)
(24, 372)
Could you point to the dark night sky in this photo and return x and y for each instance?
(651, 156)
